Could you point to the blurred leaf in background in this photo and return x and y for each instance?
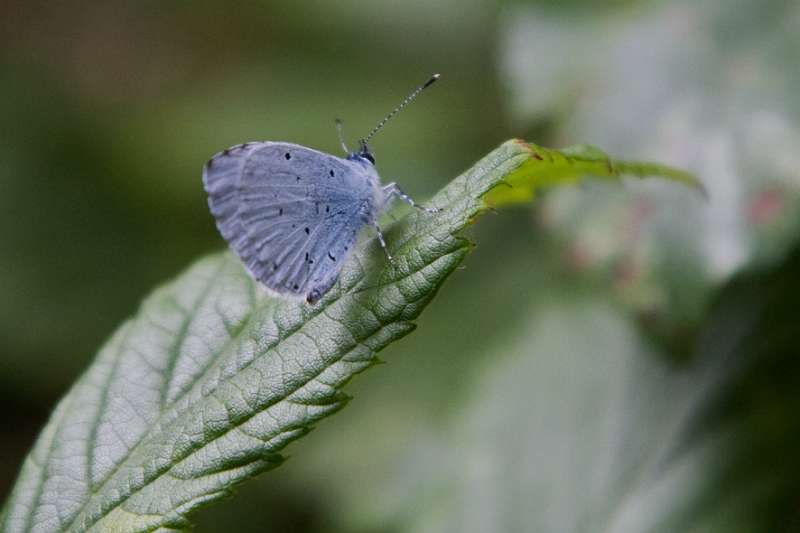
(619, 296)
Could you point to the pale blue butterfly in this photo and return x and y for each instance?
(292, 214)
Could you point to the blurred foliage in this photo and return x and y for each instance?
(109, 109)
(711, 77)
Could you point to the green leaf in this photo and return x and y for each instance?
(547, 167)
(206, 385)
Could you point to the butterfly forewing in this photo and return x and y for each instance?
(291, 213)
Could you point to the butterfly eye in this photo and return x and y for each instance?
(368, 156)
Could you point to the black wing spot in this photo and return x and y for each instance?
(280, 211)
(327, 209)
(307, 231)
(296, 286)
(298, 178)
(331, 173)
(331, 257)
(287, 155)
(274, 266)
(306, 256)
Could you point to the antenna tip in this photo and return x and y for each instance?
(431, 80)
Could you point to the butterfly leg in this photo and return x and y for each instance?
(381, 240)
(392, 190)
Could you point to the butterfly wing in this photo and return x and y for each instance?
(290, 213)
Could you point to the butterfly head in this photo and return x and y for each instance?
(363, 153)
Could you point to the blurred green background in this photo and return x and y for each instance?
(612, 358)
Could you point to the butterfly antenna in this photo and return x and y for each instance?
(408, 99)
(341, 135)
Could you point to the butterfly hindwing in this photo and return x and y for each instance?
(290, 213)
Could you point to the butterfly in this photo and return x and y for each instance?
(293, 214)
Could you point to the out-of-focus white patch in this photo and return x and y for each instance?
(724, 231)
(541, 50)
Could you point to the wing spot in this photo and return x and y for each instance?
(331, 257)
(327, 209)
(287, 155)
(307, 231)
(296, 286)
(298, 178)
(274, 266)
(331, 173)
(280, 211)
